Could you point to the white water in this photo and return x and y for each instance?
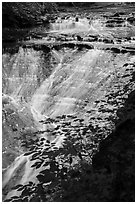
(73, 80)
(68, 83)
(71, 26)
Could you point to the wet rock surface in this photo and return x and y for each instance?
(81, 110)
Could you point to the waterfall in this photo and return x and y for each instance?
(11, 170)
(72, 25)
(69, 82)
(58, 93)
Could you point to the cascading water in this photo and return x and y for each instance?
(39, 85)
(58, 94)
(70, 83)
(73, 26)
(70, 24)
(22, 74)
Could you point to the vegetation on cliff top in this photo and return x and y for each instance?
(24, 14)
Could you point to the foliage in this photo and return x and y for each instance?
(66, 173)
(24, 14)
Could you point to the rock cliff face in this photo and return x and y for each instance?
(116, 156)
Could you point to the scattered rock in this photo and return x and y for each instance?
(131, 20)
(115, 50)
(106, 40)
(79, 38)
